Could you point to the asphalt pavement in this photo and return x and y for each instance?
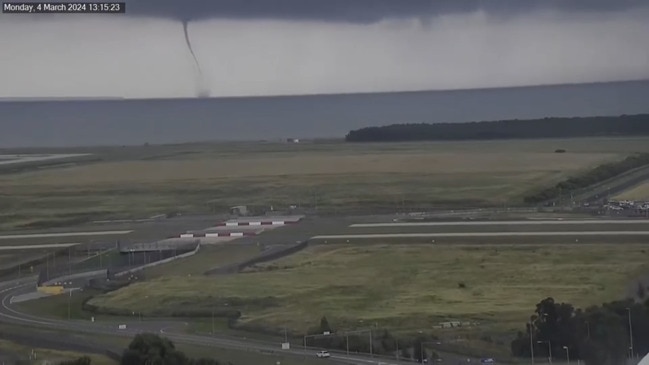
(171, 330)
(339, 227)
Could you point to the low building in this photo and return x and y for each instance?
(240, 210)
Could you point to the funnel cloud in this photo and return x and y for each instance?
(145, 55)
(201, 89)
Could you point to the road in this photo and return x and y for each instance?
(170, 329)
(332, 228)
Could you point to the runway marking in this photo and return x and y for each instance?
(65, 234)
(484, 234)
(499, 223)
(34, 247)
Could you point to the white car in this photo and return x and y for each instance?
(323, 354)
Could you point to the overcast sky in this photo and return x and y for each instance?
(271, 47)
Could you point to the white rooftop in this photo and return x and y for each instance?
(268, 218)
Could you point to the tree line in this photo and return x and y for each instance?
(599, 335)
(624, 125)
(151, 349)
(375, 340)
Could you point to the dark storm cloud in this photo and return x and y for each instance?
(357, 11)
(185, 48)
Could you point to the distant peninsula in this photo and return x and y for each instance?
(615, 126)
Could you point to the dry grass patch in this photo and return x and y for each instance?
(640, 192)
(407, 286)
(208, 257)
(335, 176)
(48, 355)
(152, 172)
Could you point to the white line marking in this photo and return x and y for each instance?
(66, 234)
(485, 234)
(33, 247)
(498, 223)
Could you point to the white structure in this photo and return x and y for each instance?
(644, 361)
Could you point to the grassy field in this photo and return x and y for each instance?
(225, 356)
(56, 306)
(208, 257)
(640, 192)
(53, 356)
(143, 181)
(410, 287)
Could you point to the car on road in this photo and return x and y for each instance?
(323, 354)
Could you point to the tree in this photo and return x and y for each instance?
(324, 325)
(598, 335)
(640, 292)
(151, 349)
(84, 360)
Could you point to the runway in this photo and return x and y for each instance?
(504, 223)
(317, 229)
(63, 234)
(486, 234)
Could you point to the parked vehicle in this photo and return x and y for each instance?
(323, 354)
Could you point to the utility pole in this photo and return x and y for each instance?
(549, 350)
(567, 354)
(396, 342)
(212, 321)
(69, 305)
(630, 333)
(532, 340)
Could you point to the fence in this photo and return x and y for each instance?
(235, 268)
(118, 264)
(159, 262)
(61, 342)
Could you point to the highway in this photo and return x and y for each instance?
(171, 330)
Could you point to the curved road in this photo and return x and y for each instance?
(9, 314)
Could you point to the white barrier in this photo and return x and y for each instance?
(76, 276)
(139, 268)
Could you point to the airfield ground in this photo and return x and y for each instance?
(338, 177)
(404, 284)
(21, 352)
(410, 287)
(638, 193)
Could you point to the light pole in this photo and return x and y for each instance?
(326, 334)
(212, 321)
(532, 340)
(567, 354)
(421, 350)
(69, 304)
(630, 333)
(549, 349)
(347, 333)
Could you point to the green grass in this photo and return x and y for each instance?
(640, 192)
(236, 357)
(44, 354)
(208, 257)
(409, 287)
(56, 306)
(135, 182)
